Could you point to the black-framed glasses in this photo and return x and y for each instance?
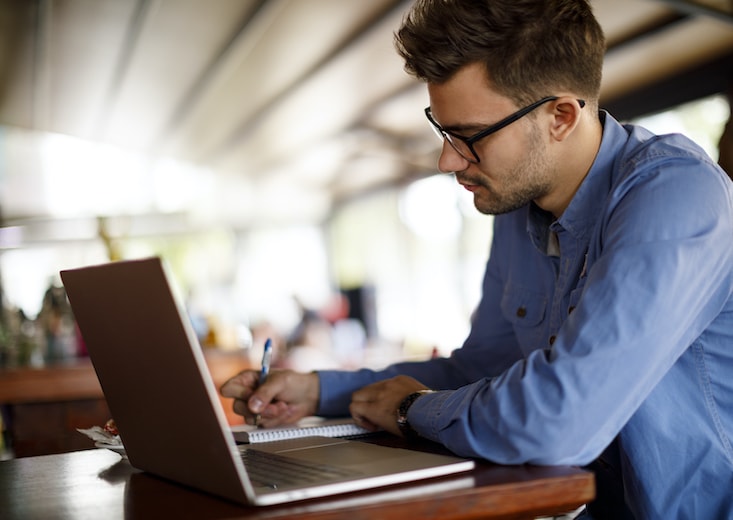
(464, 145)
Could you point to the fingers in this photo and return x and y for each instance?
(285, 397)
(362, 421)
(375, 406)
(244, 388)
(276, 414)
(266, 393)
(240, 408)
(272, 415)
(240, 386)
(361, 409)
(371, 412)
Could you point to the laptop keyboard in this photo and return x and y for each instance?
(273, 471)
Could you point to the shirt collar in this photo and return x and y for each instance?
(582, 213)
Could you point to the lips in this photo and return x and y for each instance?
(468, 185)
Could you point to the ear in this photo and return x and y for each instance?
(566, 116)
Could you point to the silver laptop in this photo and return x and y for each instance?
(161, 395)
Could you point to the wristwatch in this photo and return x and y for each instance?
(407, 431)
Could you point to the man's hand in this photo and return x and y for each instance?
(286, 396)
(375, 406)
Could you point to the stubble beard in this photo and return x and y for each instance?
(528, 180)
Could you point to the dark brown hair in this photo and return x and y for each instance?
(531, 48)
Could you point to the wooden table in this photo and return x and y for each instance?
(45, 405)
(97, 484)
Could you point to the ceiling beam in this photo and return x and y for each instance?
(703, 80)
(127, 47)
(250, 125)
(694, 8)
(195, 92)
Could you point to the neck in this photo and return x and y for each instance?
(572, 160)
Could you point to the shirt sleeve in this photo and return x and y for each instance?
(658, 274)
(490, 348)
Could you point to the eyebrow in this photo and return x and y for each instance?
(468, 128)
(463, 129)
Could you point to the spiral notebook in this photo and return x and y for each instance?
(309, 427)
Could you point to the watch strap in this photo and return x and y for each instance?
(407, 431)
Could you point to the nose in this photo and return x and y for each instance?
(450, 160)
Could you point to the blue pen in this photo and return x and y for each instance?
(266, 359)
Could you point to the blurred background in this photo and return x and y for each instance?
(277, 156)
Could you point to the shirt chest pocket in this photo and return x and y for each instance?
(525, 310)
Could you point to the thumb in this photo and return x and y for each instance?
(263, 396)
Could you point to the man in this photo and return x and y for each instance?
(604, 335)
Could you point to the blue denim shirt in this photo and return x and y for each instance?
(609, 330)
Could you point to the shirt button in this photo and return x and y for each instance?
(552, 339)
(521, 312)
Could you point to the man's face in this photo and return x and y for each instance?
(514, 166)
